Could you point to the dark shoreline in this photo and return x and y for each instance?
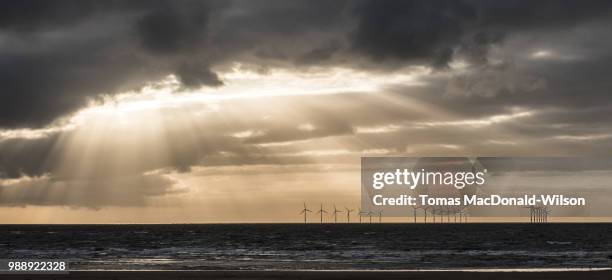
(305, 275)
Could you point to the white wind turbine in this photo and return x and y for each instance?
(414, 212)
(370, 213)
(433, 213)
(305, 212)
(336, 211)
(361, 213)
(321, 211)
(348, 214)
(531, 212)
(434, 210)
(457, 213)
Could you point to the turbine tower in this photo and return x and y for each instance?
(414, 212)
(380, 216)
(336, 211)
(321, 211)
(433, 214)
(361, 214)
(348, 214)
(305, 212)
(531, 213)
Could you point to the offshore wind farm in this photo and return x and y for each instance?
(417, 214)
(325, 217)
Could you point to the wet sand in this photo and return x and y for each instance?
(306, 275)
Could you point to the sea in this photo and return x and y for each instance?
(313, 246)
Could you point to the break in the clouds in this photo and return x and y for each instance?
(110, 100)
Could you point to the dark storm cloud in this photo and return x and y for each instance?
(55, 56)
(168, 30)
(432, 31)
(194, 76)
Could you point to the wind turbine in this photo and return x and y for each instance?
(360, 214)
(348, 214)
(531, 212)
(336, 211)
(433, 213)
(370, 213)
(321, 211)
(546, 212)
(443, 211)
(305, 211)
(414, 211)
(380, 216)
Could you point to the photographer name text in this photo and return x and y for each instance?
(475, 200)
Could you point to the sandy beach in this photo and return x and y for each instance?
(353, 275)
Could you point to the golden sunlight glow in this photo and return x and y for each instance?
(241, 83)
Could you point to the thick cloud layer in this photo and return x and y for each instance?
(55, 56)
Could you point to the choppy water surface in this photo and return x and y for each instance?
(313, 246)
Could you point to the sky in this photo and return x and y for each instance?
(238, 111)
